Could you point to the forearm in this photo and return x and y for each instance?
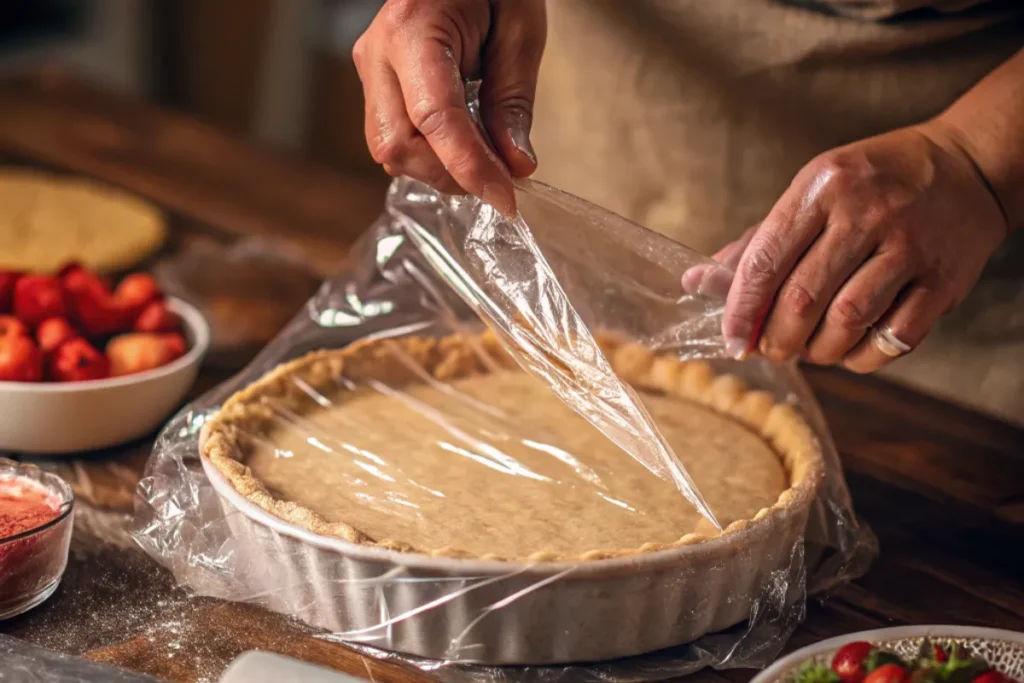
(988, 124)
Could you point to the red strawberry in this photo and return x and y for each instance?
(20, 360)
(101, 315)
(131, 353)
(12, 327)
(38, 297)
(137, 290)
(93, 307)
(76, 280)
(888, 673)
(53, 332)
(7, 280)
(848, 662)
(157, 317)
(175, 343)
(993, 676)
(76, 361)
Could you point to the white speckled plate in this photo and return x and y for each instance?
(1002, 649)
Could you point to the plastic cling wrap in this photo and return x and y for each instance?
(492, 443)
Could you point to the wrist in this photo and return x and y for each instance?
(956, 141)
(992, 161)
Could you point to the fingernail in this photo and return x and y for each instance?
(498, 197)
(520, 137)
(692, 279)
(736, 348)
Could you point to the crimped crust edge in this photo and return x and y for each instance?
(781, 425)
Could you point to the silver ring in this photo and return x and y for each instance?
(888, 343)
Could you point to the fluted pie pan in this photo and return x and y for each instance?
(538, 598)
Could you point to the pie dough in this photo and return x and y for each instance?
(445, 447)
(47, 221)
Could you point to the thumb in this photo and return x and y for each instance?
(511, 65)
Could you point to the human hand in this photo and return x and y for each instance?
(412, 61)
(869, 246)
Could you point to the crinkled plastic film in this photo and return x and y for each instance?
(477, 373)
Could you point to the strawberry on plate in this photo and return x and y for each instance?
(865, 662)
(848, 662)
(993, 677)
(888, 673)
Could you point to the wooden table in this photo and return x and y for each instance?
(942, 486)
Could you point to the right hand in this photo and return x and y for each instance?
(412, 61)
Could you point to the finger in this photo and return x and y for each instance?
(420, 162)
(708, 279)
(392, 139)
(860, 303)
(714, 279)
(423, 165)
(908, 322)
(435, 101)
(385, 122)
(509, 86)
(806, 292)
(791, 226)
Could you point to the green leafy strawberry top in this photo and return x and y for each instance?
(861, 662)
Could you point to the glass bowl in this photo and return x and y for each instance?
(32, 561)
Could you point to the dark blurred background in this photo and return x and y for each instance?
(274, 71)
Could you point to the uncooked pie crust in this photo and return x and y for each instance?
(228, 439)
(47, 220)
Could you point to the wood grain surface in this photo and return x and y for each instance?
(942, 486)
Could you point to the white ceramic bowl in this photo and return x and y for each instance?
(1001, 649)
(54, 418)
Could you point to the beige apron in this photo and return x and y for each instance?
(692, 116)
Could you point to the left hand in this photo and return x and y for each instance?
(869, 246)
